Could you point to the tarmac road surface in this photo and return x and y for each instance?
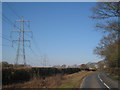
(100, 80)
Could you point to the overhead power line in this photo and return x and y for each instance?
(12, 10)
(21, 41)
(16, 14)
(9, 21)
(5, 38)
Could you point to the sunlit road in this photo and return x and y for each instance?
(99, 80)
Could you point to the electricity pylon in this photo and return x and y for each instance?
(21, 40)
(45, 60)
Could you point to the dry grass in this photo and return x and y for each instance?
(56, 81)
(37, 82)
(74, 80)
(33, 83)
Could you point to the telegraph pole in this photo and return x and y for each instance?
(21, 41)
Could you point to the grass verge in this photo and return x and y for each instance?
(117, 77)
(74, 80)
(56, 81)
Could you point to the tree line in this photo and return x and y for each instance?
(107, 16)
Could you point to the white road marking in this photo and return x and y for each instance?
(98, 76)
(103, 82)
(82, 82)
(106, 85)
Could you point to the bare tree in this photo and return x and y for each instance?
(108, 14)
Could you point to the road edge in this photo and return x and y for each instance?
(83, 79)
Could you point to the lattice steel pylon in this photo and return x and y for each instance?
(21, 41)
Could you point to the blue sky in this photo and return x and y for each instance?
(61, 31)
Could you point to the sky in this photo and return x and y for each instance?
(63, 32)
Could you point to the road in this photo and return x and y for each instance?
(99, 80)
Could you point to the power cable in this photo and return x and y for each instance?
(10, 22)
(5, 38)
(15, 13)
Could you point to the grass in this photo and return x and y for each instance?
(112, 72)
(114, 76)
(56, 81)
(37, 82)
(74, 80)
